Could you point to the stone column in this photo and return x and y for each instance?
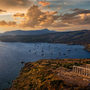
(75, 69)
(84, 71)
(86, 66)
(79, 70)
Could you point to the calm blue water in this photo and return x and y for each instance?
(12, 53)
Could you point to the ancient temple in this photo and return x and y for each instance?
(82, 70)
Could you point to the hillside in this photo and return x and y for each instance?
(51, 75)
(73, 37)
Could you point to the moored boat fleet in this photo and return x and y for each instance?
(51, 51)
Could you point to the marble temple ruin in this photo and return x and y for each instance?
(82, 70)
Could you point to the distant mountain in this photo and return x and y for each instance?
(32, 32)
(72, 37)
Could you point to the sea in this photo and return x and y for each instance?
(12, 54)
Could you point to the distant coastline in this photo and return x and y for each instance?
(87, 47)
(45, 36)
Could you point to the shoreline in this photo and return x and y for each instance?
(87, 47)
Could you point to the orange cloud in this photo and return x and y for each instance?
(48, 7)
(44, 3)
(2, 11)
(21, 15)
(35, 17)
(15, 19)
(78, 17)
(15, 4)
(58, 7)
(10, 23)
(82, 16)
(65, 2)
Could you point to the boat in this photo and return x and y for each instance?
(34, 52)
(29, 50)
(42, 50)
(49, 46)
(64, 54)
(51, 53)
(56, 57)
(59, 53)
(68, 50)
(44, 55)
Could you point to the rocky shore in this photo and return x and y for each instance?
(87, 47)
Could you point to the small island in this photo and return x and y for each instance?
(52, 74)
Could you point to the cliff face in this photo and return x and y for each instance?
(37, 76)
(49, 75)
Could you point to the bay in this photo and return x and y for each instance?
(11, 54)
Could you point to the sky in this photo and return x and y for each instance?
(59, 15)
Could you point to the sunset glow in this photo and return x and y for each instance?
(59, 15)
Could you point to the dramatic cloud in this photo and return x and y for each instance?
(14, 4)
(32, 15)
(2, 11)
(78, 17)
(36, 17)
(21, 15)
(10, 23)
(44, 3)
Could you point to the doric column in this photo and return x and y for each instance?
(84, 71)
(79, 70)
(75, 69)
(86, 66)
